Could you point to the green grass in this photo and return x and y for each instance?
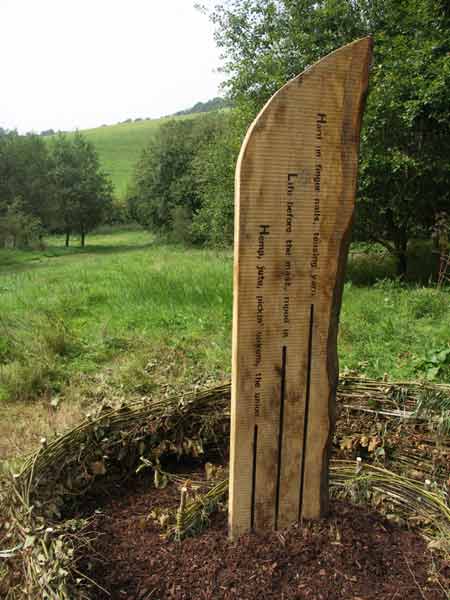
(107, 242)
(395, 329)
(120, 146)
(71, 312)
(129, 314)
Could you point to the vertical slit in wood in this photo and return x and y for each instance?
(306, 415)
(252, 509)
(280, 433)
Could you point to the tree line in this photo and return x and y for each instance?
(183, 184)
(184, 181)
(180, 187)
(54, 186)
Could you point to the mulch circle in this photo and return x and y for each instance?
(354, 554)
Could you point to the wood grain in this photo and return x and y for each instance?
(295, 190)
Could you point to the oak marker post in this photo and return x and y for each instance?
(295, 191)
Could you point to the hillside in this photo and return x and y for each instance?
(119, 147)
(213, 104)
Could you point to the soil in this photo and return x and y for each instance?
(354, 554)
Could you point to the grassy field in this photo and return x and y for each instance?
(128, 316)
(119, 147)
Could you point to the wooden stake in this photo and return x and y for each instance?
(295, 190)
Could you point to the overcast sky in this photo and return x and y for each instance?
(69, 64)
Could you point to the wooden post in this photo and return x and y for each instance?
(295, 190)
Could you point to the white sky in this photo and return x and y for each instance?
(69, 64)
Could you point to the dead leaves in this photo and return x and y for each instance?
(358, 441)
(98, 468)
(347, 443)
(161, 516)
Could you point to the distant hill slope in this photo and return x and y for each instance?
(120, 146)
(201, 107)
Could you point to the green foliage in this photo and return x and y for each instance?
(201, 107)
(17, 228)
(83, 192)
(436, 364)
(165, 193)
(24, 177)
(214, 167)
(404, 173)
(119, 148)
(181, 220)
(49, 187)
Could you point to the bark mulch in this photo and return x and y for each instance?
(354, 554)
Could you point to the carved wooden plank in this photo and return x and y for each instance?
(295, 189)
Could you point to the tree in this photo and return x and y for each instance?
(83, 192)
(405, 144)
(216, 103)
(214, 167)
(24, 174)
(17, 228)
(165, 192)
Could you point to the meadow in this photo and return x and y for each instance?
(129, 316)
(120, 146)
